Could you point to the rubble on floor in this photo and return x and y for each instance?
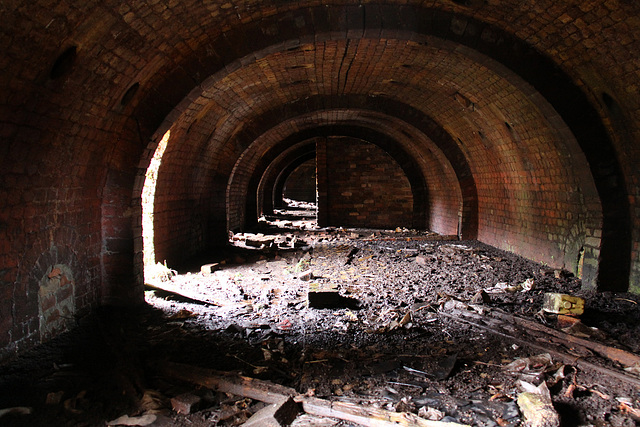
(356, 327)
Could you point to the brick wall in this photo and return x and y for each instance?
(88, 88)
(364, 186)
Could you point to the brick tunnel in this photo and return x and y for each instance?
(512, 123)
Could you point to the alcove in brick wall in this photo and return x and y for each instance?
(56, 298)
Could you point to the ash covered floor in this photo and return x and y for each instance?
(397, 321)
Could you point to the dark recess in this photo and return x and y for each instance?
(64, 63)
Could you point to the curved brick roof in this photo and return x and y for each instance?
(521, 118)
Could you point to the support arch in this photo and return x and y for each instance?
(272, 183)
(616, 220)
(250, 182)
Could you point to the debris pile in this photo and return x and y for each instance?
(328, 327)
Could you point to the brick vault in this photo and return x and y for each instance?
(513, 123)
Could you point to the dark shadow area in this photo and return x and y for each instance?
(569, 416)
(402, 347)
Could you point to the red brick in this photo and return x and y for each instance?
(70, 147)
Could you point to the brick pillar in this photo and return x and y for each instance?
(119, 282)
(322, 182)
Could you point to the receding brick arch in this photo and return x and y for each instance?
(614, 222)
(75, 125)
(246, 188)
(300, 184)
(298, 169)
(272, 182)
(408, 116)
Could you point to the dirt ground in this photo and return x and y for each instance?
(397, 320)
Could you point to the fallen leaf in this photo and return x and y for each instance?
(54, 273)
(351, 316)
(528, 363)
(536, 407)
(54, 398)
(527, 285)
(260, 370)
(431, 414)
(406, 319)
(151, 401)
(285, 324)
(268, 355)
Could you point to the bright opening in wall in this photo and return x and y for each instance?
(148, 196)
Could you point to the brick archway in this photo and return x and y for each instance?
(245, 187)
(537, 99)
(616, 222)
(272, 182)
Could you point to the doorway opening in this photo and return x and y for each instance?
(148, 198)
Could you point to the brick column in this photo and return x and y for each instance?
(322, 182)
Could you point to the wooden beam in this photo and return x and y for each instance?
(366, 415)
(563, 357)
(623, 357)
(192, 297)
(229, 382)
(273, 393)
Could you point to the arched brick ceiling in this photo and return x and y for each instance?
(509, 137)
(79, 126)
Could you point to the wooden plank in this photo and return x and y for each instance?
(193, 297)
(618, 355)
(366, 415)
(437, 238)
(18, 410)
(558, 355)
(274, 393)
(229, 382)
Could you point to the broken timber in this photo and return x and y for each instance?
(274, 393)
(434, 238)
(199, 299)
(617, 355)
(459, 316)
